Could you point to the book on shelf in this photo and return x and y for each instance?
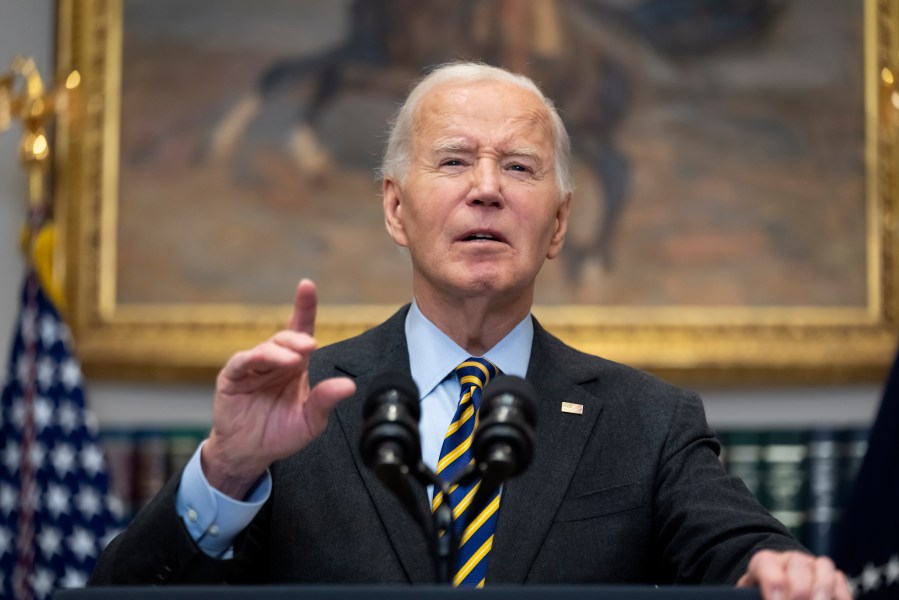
(784, 476)
(802, 476)
(824, 485)
(142, 459)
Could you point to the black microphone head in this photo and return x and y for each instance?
(507, 416)
(507, 389)
(389, 437)
(399, 387)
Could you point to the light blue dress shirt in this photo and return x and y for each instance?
(214, 519)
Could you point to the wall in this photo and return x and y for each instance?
(26, 26)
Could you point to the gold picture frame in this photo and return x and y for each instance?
(705, 345)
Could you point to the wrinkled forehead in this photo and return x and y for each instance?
(494, 107)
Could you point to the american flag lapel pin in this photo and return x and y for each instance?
(572, 408)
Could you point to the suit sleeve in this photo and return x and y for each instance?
(156, 548)
(708, 523)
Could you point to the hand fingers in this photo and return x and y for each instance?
(801, 573)
(324, 397)
(260, 359)
(298, 342)
(304, 307)
(825, 577)
(765, 570)
(782, 575)
(841, 589)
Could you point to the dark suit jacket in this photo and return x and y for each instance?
(631, 491)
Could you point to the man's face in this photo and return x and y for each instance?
(480, 208)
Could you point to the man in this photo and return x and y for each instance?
(476, 187)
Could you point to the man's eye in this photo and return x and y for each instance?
(452, 162)
(521, 168)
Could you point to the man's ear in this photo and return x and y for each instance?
(561, 228)
(393, 211)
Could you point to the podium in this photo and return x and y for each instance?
(393, 592)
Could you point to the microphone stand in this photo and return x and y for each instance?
(396, 475)
(443, 534)
(498, 466)
(390, 447)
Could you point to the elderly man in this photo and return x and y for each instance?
(476, 187)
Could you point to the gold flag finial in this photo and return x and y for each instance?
(24, 97)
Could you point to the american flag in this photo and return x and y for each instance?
(867, 542)
(55, 510)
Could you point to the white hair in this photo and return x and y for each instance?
(399, 142)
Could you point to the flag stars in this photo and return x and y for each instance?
(49, 330)
(8, 498)
(37, 453)
(115, 506)
(63, 459)
(82, 544)
(50, 541)
(43, 583)
(92, 459)
(891, 570)
(89, 501)
(70, 374)
(91, 424)
(73, 579)
(56, 500)
(870, 578)
(46, 370)
(12, 456)
(67, 416)
(43, 412)
(65, 496)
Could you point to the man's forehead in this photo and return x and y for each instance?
(519, 110)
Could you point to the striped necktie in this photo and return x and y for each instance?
(474, 532)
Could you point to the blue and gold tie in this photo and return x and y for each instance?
(474, 532)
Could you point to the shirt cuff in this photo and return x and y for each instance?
(212, 518)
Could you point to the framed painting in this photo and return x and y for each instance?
(735, 211)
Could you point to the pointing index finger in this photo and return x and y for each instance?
(304, 307)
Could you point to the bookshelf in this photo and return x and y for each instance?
(153, 429)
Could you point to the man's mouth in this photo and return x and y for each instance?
(482, 236)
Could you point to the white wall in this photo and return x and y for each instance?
(26, 27)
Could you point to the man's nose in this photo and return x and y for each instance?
(486, 185)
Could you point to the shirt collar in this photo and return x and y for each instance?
(433, 355)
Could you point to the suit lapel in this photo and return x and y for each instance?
(382, 350)
(529, 502)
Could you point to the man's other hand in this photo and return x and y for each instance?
(795, 576)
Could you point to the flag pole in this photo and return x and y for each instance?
(24, 97)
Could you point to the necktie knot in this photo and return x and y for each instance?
(474, 374)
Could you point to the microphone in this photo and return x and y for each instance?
(390, 446)
(389, 443)
(503, 443)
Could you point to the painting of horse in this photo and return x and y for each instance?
(716, 144)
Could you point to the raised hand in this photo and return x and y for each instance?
(264, 409)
